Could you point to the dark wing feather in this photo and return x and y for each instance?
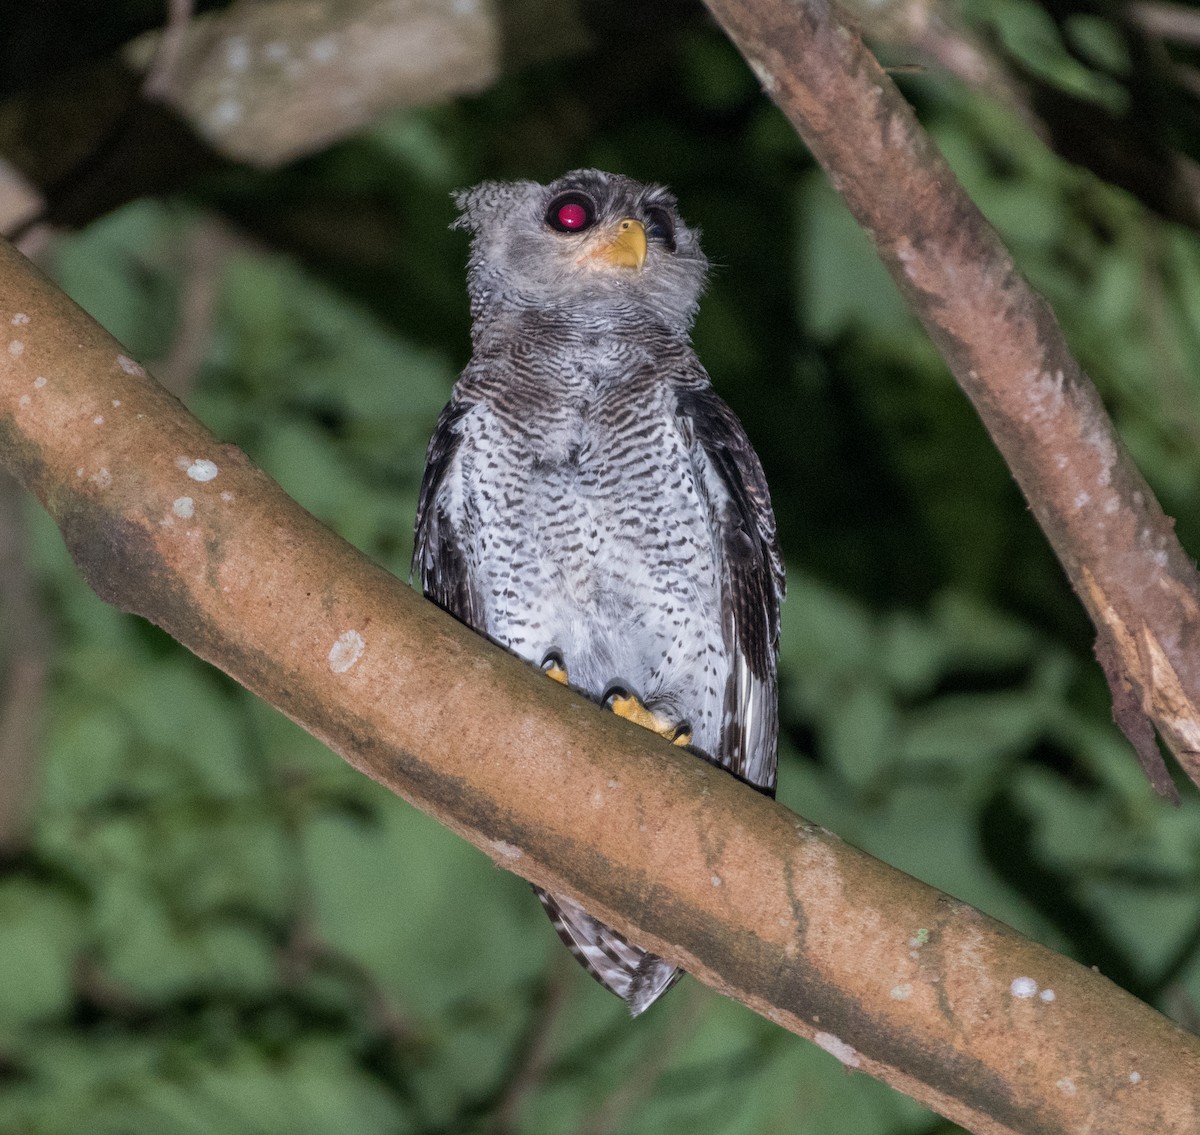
(751, 581)
(439, 557)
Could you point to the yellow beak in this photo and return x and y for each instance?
(628, 248)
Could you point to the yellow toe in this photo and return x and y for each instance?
(633, 709)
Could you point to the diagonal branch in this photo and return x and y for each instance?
(887, 974)
(1008, 353)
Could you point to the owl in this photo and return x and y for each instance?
(592, 505)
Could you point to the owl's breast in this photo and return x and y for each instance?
(591, 536)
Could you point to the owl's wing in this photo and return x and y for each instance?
(752, 582)
(439, 556)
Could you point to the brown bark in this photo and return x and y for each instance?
(1008, 353)
(890, 976)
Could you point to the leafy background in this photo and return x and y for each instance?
(213, 925)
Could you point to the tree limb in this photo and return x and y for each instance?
(1008, 354)
(887, 974)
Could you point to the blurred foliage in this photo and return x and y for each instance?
(220, 927)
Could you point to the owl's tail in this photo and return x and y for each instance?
(635, 975)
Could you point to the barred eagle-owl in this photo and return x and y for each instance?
(592, 505)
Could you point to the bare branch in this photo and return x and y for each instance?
(528, 1069)
(890, 976)
(205, 252)
(1008, 353)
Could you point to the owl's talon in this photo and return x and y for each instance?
(554, 668)
(632, 708)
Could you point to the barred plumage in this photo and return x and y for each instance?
(588, 498)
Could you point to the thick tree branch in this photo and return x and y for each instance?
(887, 974)
(1008, 353)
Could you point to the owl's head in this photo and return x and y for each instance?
(590, 239)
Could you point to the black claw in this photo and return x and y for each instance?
(616, 690)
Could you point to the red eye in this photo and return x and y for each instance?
(572, 216)
(571, 213)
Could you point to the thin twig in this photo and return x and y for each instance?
(529, 1066)
(206, 250)
(613, 1114)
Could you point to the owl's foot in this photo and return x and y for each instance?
(632, 708)
(554, 667)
